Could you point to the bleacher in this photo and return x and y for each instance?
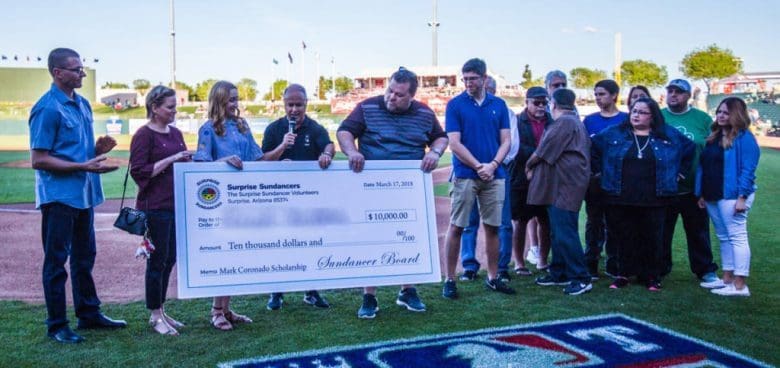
(767, 105)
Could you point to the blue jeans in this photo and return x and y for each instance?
(162, 231)
(568, 260)
(68, 232)
(468, 242)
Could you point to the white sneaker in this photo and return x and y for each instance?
(714, 284)
(533, 255)
(730, 290)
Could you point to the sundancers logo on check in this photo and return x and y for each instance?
(208, 194)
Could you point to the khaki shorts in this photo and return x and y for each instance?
(489, 195)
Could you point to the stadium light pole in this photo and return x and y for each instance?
(434, 24)
(173, 49)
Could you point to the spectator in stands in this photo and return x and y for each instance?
(694, 124)
(596, 230)
(639, 163)
(153, 150)
(477, 125)
(725, 184)
(400, 129)
(226, 137)
(468, 243)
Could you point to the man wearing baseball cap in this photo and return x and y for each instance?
(694, 124)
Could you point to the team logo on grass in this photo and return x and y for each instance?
(599, 341)
(208, 194)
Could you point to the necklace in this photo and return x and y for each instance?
(640, 149)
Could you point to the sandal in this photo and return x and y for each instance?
(172, 322)
(161, 327)
(234, 317)
(522, 271)
(219, 321)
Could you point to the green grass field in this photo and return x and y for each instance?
(748, 325)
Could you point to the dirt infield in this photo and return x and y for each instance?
(118, 276)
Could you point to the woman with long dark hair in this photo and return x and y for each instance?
(725, 184)
(639, 163)
(226, 137)
(153, 150)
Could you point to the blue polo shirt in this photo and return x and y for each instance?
(212, 147)
(64, 128)
(480, 130)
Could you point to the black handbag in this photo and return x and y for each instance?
(130, 219)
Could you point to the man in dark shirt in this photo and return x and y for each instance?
(297, 137)
(392, 127)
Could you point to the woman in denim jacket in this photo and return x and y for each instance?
(639, 163)
(725, 184)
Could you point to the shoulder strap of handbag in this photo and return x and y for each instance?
(124, 187)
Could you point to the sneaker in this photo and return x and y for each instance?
(711, 281)
(504, 276)
(654, 285)
(533, 254)
(313, 298)
(499, 286)
(468, 275)
(408, 298)
(548, 280)
(619, 283)
(449, 290)
(523, 271)
(731, 290)
(275, 301)
(369, 307)
(593, 271)
(577, 288)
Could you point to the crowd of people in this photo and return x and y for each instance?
(520, 175)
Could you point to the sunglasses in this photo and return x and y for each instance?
(77, 70)
(540, 103)
(558, 85)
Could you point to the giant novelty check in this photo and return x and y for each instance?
(291, 226)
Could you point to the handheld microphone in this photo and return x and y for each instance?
(291, 125)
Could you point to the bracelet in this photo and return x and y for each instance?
(327, 154)
(497, 163)
(438, 152)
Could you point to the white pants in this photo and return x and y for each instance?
(731, 229)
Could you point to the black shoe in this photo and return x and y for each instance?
(449, 290)
(100, 321)
(504, 276)
(275, 301)
(369, 307)
(313, 298)
(468, 275)
(593, 270)
(65, 336)
(549, 280)
(499, 286)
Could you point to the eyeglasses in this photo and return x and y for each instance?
(77, 70)
(540, 103)
(470, 79)
(640, 112)
(558, 85)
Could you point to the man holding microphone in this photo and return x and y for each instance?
(297, 137)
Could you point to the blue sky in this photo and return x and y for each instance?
(232, 39)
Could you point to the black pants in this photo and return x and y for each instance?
(597, 236)
(162, 231)
(697, 233)
(68, 232)
(637, 233)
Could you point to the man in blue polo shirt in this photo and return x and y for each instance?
(67, 163)
(477, 124)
